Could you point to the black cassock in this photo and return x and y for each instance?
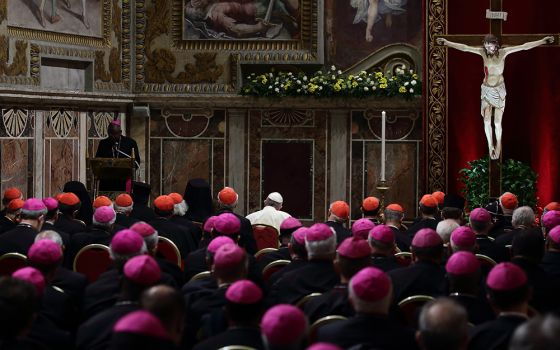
(108, 148)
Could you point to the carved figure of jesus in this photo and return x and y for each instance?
(493, 89)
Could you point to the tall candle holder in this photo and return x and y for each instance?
(382, 187)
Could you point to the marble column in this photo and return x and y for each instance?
(339, 155)
(137, 131)
(236, 146)
(38, 155)
(83, 144)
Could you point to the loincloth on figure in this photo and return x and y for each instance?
(494, 96)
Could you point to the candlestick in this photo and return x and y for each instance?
(383, 122)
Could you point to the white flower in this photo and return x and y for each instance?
(359, 79)
(270, 87)
(289, 74)
(411, 71)
(333, 68)
(305, 78)
(248, 77)
(339, 72)
(411, 90)
(320, 88)
(277, 89)
(333, 77)
(404, 67)
(366, 88)
(373, 88)
(413, 82)
(298, 82)
(276, 83)
(406, 83)
(270, 75)
(298, 90)
(363, 72)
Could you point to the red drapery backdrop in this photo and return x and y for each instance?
(532, 115)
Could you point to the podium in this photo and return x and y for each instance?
(110, 169)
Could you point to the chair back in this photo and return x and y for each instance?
(266, 236)
(237, 347)
(404, 258)
(169, 251)
(92, 260)
(11, 262)
(314, 329)
(410, 307)
(199, 224)
(273, 267)
(201, 276)
(263, 252)
(486, 260)
(301, 303)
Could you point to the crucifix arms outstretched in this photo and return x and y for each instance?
(493, 89)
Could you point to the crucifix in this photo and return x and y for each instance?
(493, 90)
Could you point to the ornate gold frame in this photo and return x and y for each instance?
(436, 97)
(73, 39)
(167, 21)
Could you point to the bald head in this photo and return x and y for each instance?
(168, 305)
(540, 333)
(443, 325)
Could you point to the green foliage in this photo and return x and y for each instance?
(405, 83)
(517, 178)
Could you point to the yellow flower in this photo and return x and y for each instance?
(383, 81)
(402, 89)
(312, 87)
(382, 86)
(288, 84)
(378, 74)
(354, 84)
(264, 80)
(414, 76)
(350, 77)
(337, 87)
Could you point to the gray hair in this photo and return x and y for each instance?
(523, 216)
(392, 215)
(445, 228)
(180, 209)
(51, 236)
(368, 307)
(540, 333)
(151, 240)
(270, 202)
(119, 257)
(443, 324)
(321, 249)
(123, 210)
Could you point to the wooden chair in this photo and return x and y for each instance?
(404, 258)
(266, 236)
(314, 329)
(201, 275)
(301, 303)
(237, 347)
(273, 267)
(199, 224)
(11, 262)
(92, 260)
(410, 307)
(169, 251)
(263, 252)
(486, 260)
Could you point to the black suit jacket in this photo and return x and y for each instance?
(479, 310)
(294, 265)
(244, 336)
(496, 334)
(180, 235)
(551, 264)
(283, 253)
(68, 225)
(246, 238)
(195, 230)
(385, 263)
(95, 334)
(402, 240)
(6, 224)
(93, 235)
(422, 277)
(341, 232)
(142, 212)
(333, 302)
(125, 221)
(195, 263)
(422, 223)
(545, 288)
(496, 251)
(317, 276)
(373, 331)
(18, 239)
(72, 283)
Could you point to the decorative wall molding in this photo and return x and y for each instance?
(62, 121)
(288, 117)
(436, 97)
(15, 120)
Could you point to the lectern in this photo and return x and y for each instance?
(111, 169)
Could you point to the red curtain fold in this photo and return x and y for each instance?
(532, 116)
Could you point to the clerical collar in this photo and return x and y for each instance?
(126, 302)
(513, 314)
(462, 295)
(25, 225)
(389, 225)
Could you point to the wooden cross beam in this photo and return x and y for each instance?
(495, 27)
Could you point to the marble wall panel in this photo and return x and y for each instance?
(318, 134)
(61, 164)
(16, 156)
(183, 160)
(401, 173)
